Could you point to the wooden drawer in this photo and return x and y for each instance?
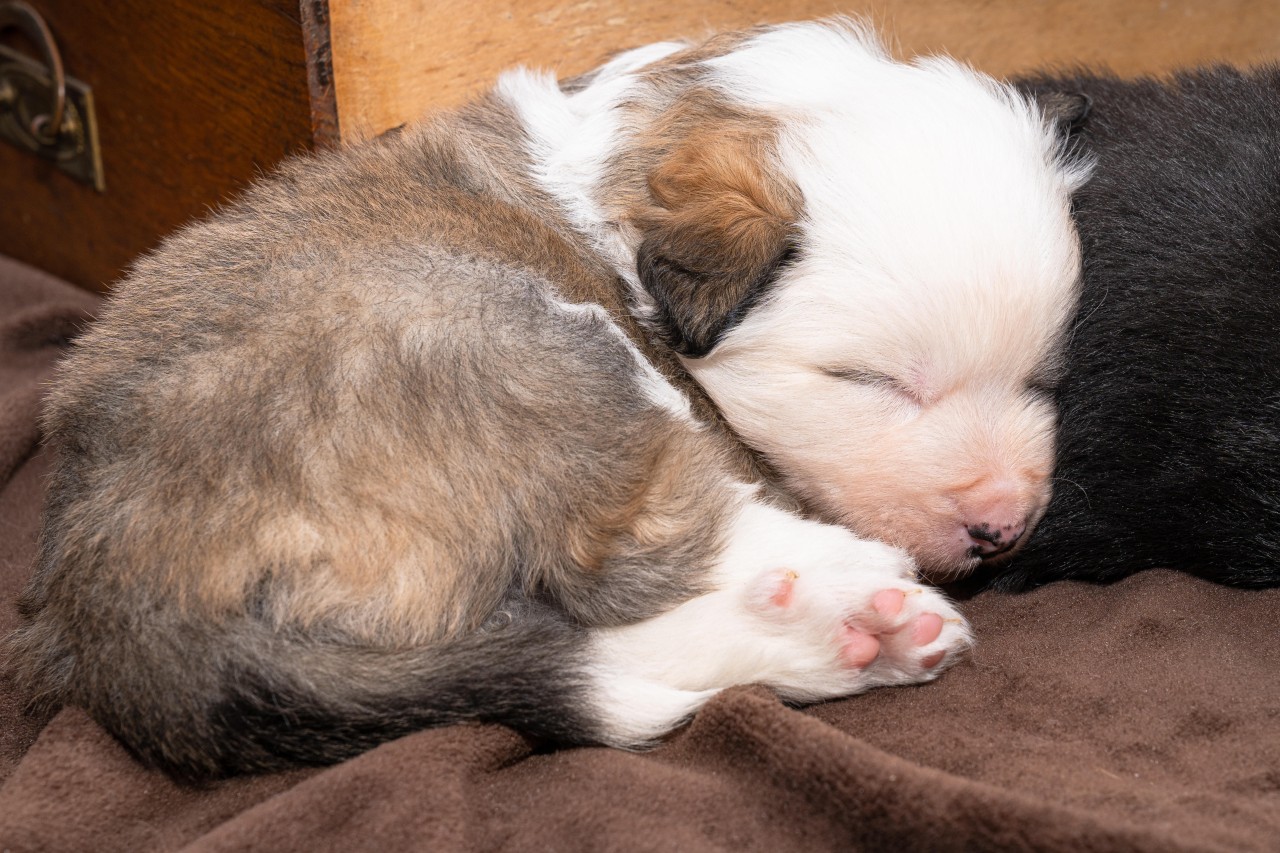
(195, 98)
(192, 99)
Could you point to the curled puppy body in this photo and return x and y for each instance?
(1170, 430)
(409, 435)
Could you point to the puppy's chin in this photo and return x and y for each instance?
(940, 562)
(946, 572)
(958, 568)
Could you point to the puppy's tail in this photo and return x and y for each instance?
(251, 699)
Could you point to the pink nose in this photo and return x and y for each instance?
(990, 539)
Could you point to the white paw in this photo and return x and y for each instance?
(835, 630)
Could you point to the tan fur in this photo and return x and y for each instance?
(715, 189)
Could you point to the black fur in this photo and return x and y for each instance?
(1170, 410)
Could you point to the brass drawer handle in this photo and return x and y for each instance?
(42, 110)
(45, 127)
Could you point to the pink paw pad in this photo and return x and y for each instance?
(927, 628)
(932, 660)
(857, 648)
(888, 602)
(781, 595)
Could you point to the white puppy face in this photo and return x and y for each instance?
(869, 266)
(896, 373)
(914, 415)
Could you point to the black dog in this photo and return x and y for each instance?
(1169, 449)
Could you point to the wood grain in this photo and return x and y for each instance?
(194, 99)
(395, 59)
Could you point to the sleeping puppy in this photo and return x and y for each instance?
(451, 426)
(1170, 432)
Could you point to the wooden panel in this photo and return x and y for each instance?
(194, 98)
(393, 59)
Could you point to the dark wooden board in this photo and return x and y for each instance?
(194, 99)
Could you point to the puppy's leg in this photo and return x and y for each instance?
(805, 608)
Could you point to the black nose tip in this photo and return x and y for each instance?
(989, 541)
(983, 533)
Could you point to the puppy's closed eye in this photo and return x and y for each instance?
(875, 379)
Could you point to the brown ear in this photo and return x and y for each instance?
(721, 230)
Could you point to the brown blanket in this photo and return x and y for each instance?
(1144, 715)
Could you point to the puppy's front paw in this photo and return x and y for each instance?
(854, 627)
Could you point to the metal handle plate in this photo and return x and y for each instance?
(42, 110)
